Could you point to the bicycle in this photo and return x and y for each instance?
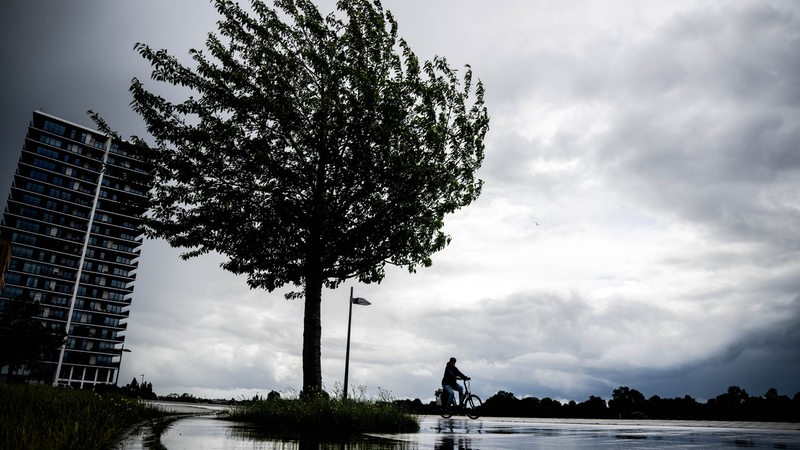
(470, 402)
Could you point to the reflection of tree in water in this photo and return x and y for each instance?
(451, 443)
(271, 442)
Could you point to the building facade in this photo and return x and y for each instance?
(73, 224)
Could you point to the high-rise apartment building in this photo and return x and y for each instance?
(73, 224)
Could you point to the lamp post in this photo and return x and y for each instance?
(119, 368)
(357, 301)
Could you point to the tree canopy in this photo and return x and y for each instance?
(25, 338)
(312, 149)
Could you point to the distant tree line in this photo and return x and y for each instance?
(142, 390)
(627, 403)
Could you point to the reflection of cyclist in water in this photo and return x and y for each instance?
(450, 382)
(450, 443)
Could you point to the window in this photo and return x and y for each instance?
(29, 212)
(49, 165)
(37, 175)
(13, 278)
(123, 260)
(116, 296)
(75, 148)
(23, 238)
(24, 252)
(12, 292)
(51, 141)
(34, 187)
(49, 152)
(32, 268)
(28, 226)
(55, 128)
(31, 200)
(127, 236)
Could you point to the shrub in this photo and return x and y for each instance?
(40, 416)
(323, 416)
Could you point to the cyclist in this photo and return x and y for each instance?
(450, 382)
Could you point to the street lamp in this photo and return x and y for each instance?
(357, 301)
(119, 368)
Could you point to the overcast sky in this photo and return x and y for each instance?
(639, 226)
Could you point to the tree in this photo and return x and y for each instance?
(143, 390)
(501, 403)
(594, 407)
(312, 150)
(24, 338)
(626, 401)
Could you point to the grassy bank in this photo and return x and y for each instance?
(38, 417)
(324, 417)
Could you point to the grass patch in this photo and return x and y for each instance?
(39, 416)
(323, 416)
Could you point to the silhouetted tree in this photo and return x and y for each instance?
(143, 390)
(318, 149)
(673, 408)
(500, 404)
(772, 406)
(24, 338)
(549, 407)
(529, 407)
(594, 407)
(730, 405)
(626, 402)
(630, 403)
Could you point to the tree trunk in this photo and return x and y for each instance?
(312, 335)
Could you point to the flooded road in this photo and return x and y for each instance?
(206, 433)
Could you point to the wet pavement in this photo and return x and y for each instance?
(460, 433)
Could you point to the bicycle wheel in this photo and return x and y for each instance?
(445, 411)
(472, 406)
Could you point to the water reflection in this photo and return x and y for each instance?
(252, 435)
(203, 433)
(453, 443)
(209, 433)
(459, 426)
